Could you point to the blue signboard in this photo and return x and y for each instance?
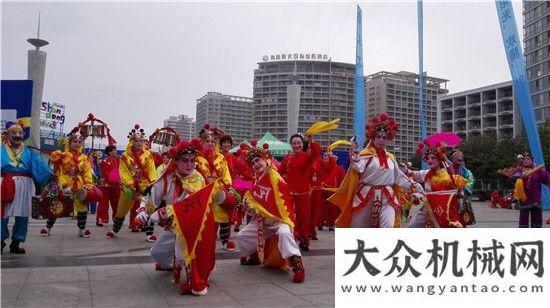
(17, 102)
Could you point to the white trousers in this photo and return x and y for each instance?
(163, 249)
(361, 219)
(247, 238)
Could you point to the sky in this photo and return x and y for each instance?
(139, 63)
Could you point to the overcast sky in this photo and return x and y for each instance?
(141, 62)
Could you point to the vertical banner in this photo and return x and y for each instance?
(17, 102)
(421, 99)
(359, 102)
(514, 54)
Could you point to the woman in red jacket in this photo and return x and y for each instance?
(295, 170)
(109, 185)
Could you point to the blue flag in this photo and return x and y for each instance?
(359, 102)
(17, 103)
(514, 54)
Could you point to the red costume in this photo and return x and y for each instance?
(295, 170)
(110, 187)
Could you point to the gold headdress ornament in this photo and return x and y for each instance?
(210, 132)
(248, 152)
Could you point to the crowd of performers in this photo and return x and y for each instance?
(283, 204)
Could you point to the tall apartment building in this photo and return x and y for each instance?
(490, 109)
(183, 125)
(232, 114)
(397, 95)
(536, 40)
(312, 87)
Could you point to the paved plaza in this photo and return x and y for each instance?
(63, 270)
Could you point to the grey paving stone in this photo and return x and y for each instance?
(58, 274)
(286, 300)
(65, 301)
(11, 291)
(57, 294)
(254, 291)
(14, 276)
(116, 274)
(321, 300)
(214, 297)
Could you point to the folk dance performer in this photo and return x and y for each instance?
(137, 172)
(442, 189)
(21, 168)
(367, 196)
(74, 172)
(465, 210)
(269, 204)
(109, 185)
(178, 181)
(295, 169)
(528, 191)
(214, 167)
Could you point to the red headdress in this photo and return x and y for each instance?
(248, 152)
(425, 150)
(210, 132)
(194, 146)
(382, 123)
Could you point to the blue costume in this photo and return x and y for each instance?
(20, 170)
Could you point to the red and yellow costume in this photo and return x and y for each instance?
(214, 168)
(269, 204)
(73, 171)
(441, 189)
(329, 176)
(137, 171)
(295, 170)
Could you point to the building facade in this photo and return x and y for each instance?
(397, 95)
(183, 125)
(487, 110)
(232, 114)
(312, 87)
(536, 40)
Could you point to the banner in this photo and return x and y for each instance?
(191, 218)
(421, 76)
(17, 102)
(514, 54)
(52, 116)
(359, 100)
(444, 268)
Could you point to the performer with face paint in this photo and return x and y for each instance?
(74, 172)
(367, 196)
(529, 179)
(269, 204)
(441, 189)
(137, 172)
(21, 168)
(213, 166)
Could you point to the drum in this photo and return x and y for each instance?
(52, 207)
(89, 195)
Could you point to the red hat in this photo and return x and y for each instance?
(194, 146)
(210, 132)
(425, 150)
(248, 152)
(381, 123)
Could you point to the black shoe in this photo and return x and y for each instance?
(331, 229)
(304, 247)
(320, 228)
(14, 247)
(3, 245)
(236, 229)
(311, 237)
(135, 230)
(99, 224)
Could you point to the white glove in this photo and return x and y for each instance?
(142, 216)
(67, 190)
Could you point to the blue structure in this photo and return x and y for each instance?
(359, 99)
